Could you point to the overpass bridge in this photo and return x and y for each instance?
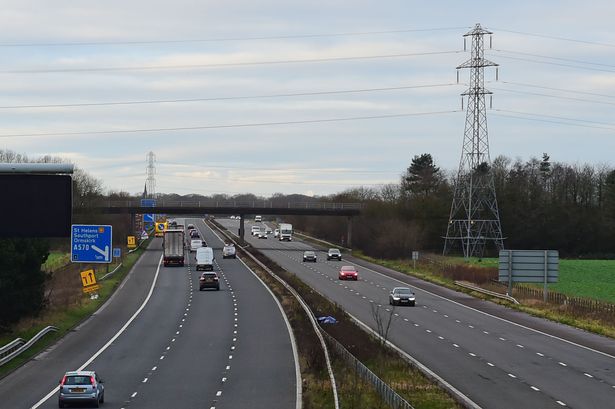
(232, 207)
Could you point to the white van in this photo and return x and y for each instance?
(255, 231)
(258, 218)
(205, 259)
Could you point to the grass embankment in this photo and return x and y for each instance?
(67, 305)
(578, 278)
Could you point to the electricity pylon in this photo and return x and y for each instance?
(475, 219)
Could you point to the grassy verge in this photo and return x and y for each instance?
(577, 278)
(552, 312)
(64, 318)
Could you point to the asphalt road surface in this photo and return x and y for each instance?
(174, 346)
(497, 357)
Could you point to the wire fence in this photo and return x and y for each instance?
(487, 277)
(388, 395)
(576, 305)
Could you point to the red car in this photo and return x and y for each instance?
(349, 272)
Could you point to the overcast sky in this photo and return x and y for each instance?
(67, 53)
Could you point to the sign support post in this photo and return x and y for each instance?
(510, 273)
(546, 271)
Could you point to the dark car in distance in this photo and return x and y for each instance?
(209, 280)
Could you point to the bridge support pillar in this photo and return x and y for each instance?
(133, 223)
(349, 233)
(242, 229)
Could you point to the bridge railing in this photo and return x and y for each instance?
(256, 204)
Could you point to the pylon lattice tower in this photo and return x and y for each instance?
(150, 171)
(475, 219)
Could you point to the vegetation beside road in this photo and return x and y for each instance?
(577, 277)
(66, 310)
(482, 272)
(55, 260)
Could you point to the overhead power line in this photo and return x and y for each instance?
(244, 125)
(219, 65)
(285, 170)
(224, 39)
(554, 63)
(574, 91)
(182, 100)
(560, 120)
(593, 101)
(550, 57)
(552, 37)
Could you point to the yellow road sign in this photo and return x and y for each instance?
(91, 288)
(88, 278)
(132, 242)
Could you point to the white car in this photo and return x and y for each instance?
(232, 217)
(195, 244)
(255, 231)
(262, 235)
(228, 251)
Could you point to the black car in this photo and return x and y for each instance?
(334, 254)
(209, 280)
(402, 296)
(309, 256)
(194, 234)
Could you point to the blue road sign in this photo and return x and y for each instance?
(148, 218)
(148, 202)
(117, 252)
(90, 243)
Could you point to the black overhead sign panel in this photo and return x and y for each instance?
(35, 205)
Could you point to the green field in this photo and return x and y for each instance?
(578, 278)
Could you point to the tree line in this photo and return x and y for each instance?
(543, 205)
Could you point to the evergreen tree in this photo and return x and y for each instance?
(423, 176)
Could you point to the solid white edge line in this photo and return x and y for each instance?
(466, 400)
(293, 341)
(487, 314)
(117, 334)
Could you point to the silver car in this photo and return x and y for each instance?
(309, 256)
(82, 387)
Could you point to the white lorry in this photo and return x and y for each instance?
(286, 232)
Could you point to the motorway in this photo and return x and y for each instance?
(159, 342)
(496, 357)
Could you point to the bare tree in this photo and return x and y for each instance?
(383, 320)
